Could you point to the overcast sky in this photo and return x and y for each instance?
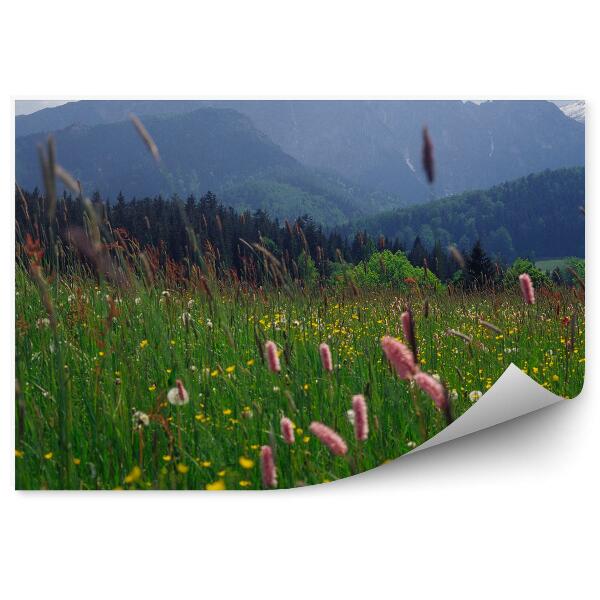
(25, 107)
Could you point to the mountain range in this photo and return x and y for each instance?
(335, 160)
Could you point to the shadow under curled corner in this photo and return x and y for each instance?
(514, 394)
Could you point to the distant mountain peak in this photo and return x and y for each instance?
(575, 110)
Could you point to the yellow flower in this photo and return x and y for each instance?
(305, 387)
(535, 369)
(246, 463)
(143, 343)
(221, 473)
(169, 371)
(227, 411)
(183, 469)
(152, 387)
(134, 475)
(206, 463)
(214, 373)
(76, 461)
(555, 378)
(19, 453)
(245, 483)
(216, 485)
(173, 342)
(100, 353)
(306, 439)
(48, 455)
(250, 362)
(167, 457)
(230, 369)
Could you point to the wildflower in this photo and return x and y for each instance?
(138, 300)
(76, 461)
(152, 387)
(167, 458)
(555, 378)
(178, 395)
(230, 369)
(351, 416)
(246, 463)
(48, 455)
(361, 421)
(475, 395)
(326, 361)
(250, 362)
(245, 483)
(527, 288)
(272, 357)
(183, 469)
(227, 411)
(45, 322)
(329, 437)
(400, 357)
(134, 475)
(143, 344)
(287, 430)
(216, 485)
(434, 389)
(267, 464)
(140, 419)
(19, 453)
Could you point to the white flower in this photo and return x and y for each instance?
(436, 377)
(138, 300)
(140, 419)
(209, 323)
(454, 395)
(475, 395)
(350, 414)
(411, 444)
(45, 322)
(178, 395)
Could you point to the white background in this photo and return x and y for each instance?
(508, 513)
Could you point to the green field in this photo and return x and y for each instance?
(88, 354)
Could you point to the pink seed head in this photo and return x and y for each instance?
(287, 430)
(433, 388)
(267, 465)
(527, 288)
(361, 419)
(329, 437)
(326, 361)
(400, 357)
(272, 357)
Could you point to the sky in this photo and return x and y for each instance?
(26, 107)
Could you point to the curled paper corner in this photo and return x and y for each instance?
(514, 394)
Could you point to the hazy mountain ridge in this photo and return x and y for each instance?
(206, 149)
(376, 145)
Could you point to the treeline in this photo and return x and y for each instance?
(176, 230)
(539, 216)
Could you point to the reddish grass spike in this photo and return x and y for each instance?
(428, 164)
(267, 465)
(527, 288)
(329, 437)
(361, 420)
